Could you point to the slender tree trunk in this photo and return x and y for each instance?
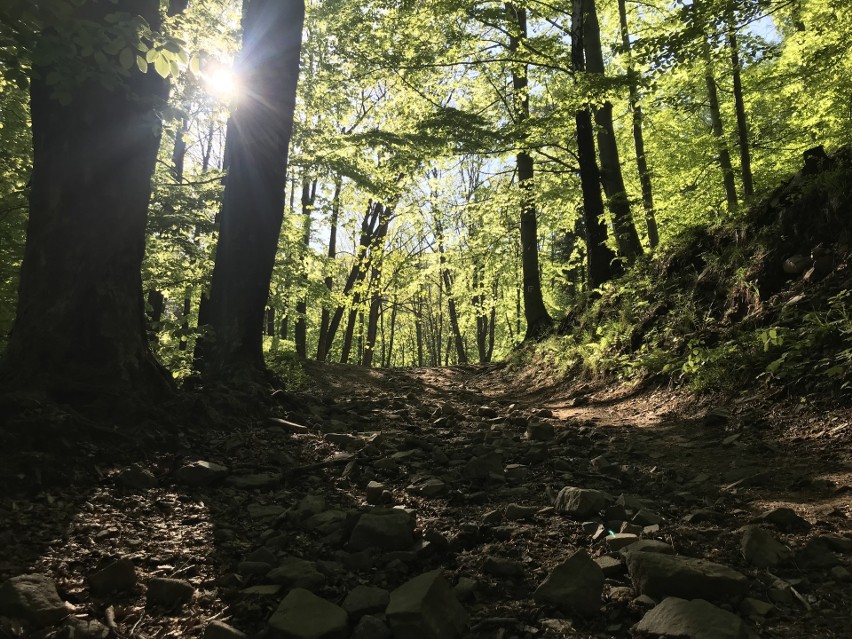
(447, 280)
(157, 304)
(372, 327)
(309, 196)
(322, 341)
(347, 336)
(418, 329)
(392, 336)
(739, 103)
(535, 313)
(600, 256)
(80, 324)
(184, 323)
(724, 157)
(270, 322)
(285, 327)
(253, 203)
(626, 237)
(638, 135)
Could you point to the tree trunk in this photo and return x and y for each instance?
(270, 322)
(638, 135)
(184, 323)
(80, 324)
(739, 103)
(253, 203)
(392, 335)
(724, 157)
(600, 256)
(309, 196)
(322, 341)
(447, 280)
(626, 237)
(538, 319)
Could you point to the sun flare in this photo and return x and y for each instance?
(222, 82)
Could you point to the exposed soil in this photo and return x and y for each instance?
(707, 467)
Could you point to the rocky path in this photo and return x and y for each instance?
(443, 503)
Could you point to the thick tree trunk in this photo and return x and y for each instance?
(626, 237)
(724, 157)
(80, 323)
(739, 104)
(538, 319)
(253, 203)
(638, 135)
(322, 341)
(600, 256)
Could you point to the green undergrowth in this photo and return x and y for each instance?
(715, 308)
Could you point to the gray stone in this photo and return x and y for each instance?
(581, 502)
(516, 512)
(253, 568)
(610, 566)
(265, 512)
(836, 543)
(303, 615)
(840, 573)
(385, 529)
(516, 472)
(465, 588)
(309, 506)
(540, 431)
(201, 473)
(365, 600)
(297, 573)
(815, 554)
(76, 628)
(784, 519)
(221, 630)
(484, 467)
(646, 518)
(575, 585)
(327, 522)
(345, 441)
(118, 576)
(658, 576)
(426, 608)
(751, 607)
(171, 594)
(32, 598)
(697, 619)
(620, 540)
(649, 545)
(377, 494)
(136, 476)
(370, 627)
(263, 555)
(502, 567)
(255, 481)
(761, 549)
(427, 487)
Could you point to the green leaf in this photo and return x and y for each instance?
(195, 64)
(141, 64)
(152, 55)
(125, 58)
(162, 66)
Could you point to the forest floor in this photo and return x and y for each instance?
(476, 453)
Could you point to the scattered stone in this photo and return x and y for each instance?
(575, 585)
(658, 575)
(427, 487)
(540, 431)
(253, 568)
(365, 600)
(303, 615)
(118, 576)
(484, 467)
(76, 628)
(815, 554)
(385, 529)
(345, 441)
(327, 522)
(502, 567)
(297, 573)
(263, 555)
(258, 481)
(840, 573)
(516, 512)
(646, 517)
(601, 464)
(201, 473)
(265, 512)
(649, 545)
(221, 630)
(697, 619)
(465, 588)
(492, 518)
(309, 506)
(784, 519)
(370, 627)
(264, 590)
(32, 598)
(581, 502)
(516, 473)
(761, 549)
(703, 516)
(620, 540)
(170, 594)
(610, 566)
(752, 607)
(136, 476)
(836, 543)
(426, 608)
(378, 494)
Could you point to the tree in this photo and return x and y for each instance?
(80, 327)
(253, 202)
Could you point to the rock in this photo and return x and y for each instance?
(119, 576)
(385, 529)
(646, 517)
(265, 512)
(761, 549)
(784, 519)
(581, 502)
(516, 473)
(257, 481)
(427, 487)
(696, 619)
(658, 576)
(136, 476)
(620, 540)
(327, 522)
(516, 512)
(751, 607)
(303, 615)
(371, 627)
(649, 545)
(815, 554)
(465, 588)
(484, 467)
(377, 494)
(309, 506)
(364, 600)
(201, 473)
(610, 566)
(502, 567)
(540, 431)
(345, 441)
(76, 628)
(840, 574)
(426, 608)
(836, 543)
(575, 585)
(297, 573)
(32, 598)
(171, 594)
(221, 630)
(601, 464)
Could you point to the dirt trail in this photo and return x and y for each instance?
(478, 454)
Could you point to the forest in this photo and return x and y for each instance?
(323, 319)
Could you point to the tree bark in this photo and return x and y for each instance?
(258, 141)
(626, 237)
(309, 196)
(80, 325)
(535, 313)
(322, 341)
(724, 157)
(638, 135)
(739, 104)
